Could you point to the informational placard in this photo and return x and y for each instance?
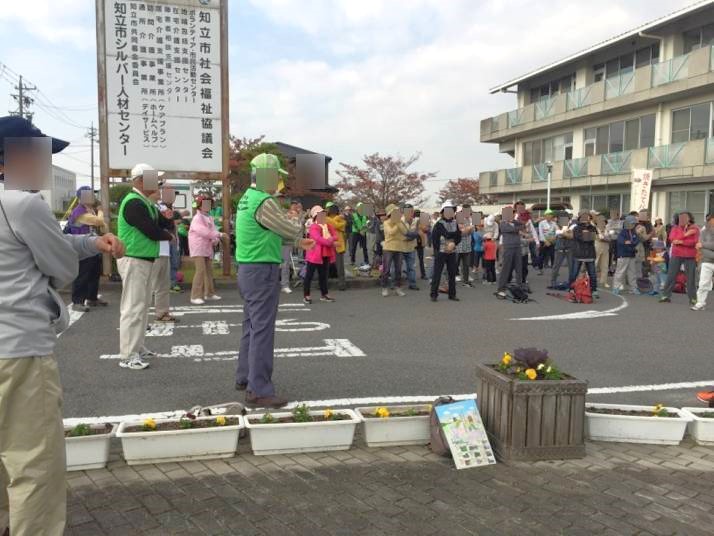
(641, 189)
(465, 434)
(163, 86)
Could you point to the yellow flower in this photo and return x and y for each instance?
(659, 408)
(221, 420)
(150, 423)
(531, 373)
(506, 360)
(328, 413)
(382, 412)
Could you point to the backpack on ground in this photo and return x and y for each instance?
(680, 283)
(515, 293)
(581, 290)
(644, 285)
(438, 442)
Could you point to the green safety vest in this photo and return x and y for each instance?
(255, 243)
(359, 223)
(136, 243)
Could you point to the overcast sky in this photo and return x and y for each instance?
(342, 77)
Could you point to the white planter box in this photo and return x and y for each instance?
(179, 445)
(701, 430)
(285, 438)
(633, 429)
(88, 452)
(392, 431)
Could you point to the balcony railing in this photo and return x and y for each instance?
(709, 151)
(493, 178)
(516, 117)
(616, 163)
(579, 98)
(666, 156)
(514, 175)
(670, 70)
(544, 108)
(540, 173)
(619, 85)
(575, 168)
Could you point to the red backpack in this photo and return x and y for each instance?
(581, 291)
(680, 283)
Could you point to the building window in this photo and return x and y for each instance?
(698, 38)
(692, 123)
(549, 149)
(554, 87)
(605, 203)
(626, 63)
(694, 202)
(620, 135)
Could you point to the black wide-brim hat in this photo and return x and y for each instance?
(14, 126)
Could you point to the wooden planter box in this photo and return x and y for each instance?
(532, 420)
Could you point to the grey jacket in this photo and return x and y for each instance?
(35, 261)
(510, 234)
(707, 239)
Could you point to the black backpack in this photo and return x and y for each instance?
(517, 294)
(438, 441)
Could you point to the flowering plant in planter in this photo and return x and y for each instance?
(187, 421)
(302, 413)
(529, 364)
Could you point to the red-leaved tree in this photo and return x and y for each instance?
(382, 180)
(461, 191)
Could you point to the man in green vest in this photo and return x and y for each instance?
(261, 226)
(141, 228)
(360, 221)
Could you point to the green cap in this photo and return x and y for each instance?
(549, 213)
(329, 204)
(267, 161)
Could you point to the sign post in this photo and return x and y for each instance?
(163, 89)
(641, 189)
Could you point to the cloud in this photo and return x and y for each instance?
(404, 76)
(58, 22)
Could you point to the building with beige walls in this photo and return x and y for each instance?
(640, 100)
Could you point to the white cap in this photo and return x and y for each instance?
(138, 170)
(447, 204)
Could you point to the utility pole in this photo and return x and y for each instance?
(92, 135)
(23, 100)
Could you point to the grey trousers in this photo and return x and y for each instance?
(340, 266)
(285, 266)
(561, 257)
(690, 268)
(512, 260)
(260, 289)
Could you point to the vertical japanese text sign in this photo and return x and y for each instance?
(641, 189)
(163, 85)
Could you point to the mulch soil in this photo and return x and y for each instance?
(629, 412)
(176, 425)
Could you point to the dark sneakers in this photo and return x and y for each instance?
(274, 402)
(240, 386)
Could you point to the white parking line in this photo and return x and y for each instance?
(333, 347)
(582, 315)
(73, 317)
(220, 327)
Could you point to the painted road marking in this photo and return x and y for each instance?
(220, 327)
(582, 315)
(232, 310)
(333, 347)
(73, 317)
(355, 402)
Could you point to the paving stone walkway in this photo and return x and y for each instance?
(618, 489)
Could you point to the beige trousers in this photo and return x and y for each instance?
(602, 262)
(33, 496)
(161, 280)
(202, 285)
(137, 284)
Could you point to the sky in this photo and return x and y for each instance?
(340, 77)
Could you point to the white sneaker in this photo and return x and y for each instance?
(197, 301)
(365, 266)
(458, 278)
(385, 293)
(145, 352)
(286, 290)
(134, 363)
(212, 297)
(697, 307)
(399, 292)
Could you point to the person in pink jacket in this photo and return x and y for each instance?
(202, 238)
(321, 255)
(684, 238)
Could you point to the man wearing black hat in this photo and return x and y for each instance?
(36, 261)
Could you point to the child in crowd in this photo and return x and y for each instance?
(658, 266)
(477, 242)
(489, 259)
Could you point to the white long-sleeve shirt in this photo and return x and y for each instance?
(547, 230)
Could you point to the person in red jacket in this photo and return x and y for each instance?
(684, 238)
